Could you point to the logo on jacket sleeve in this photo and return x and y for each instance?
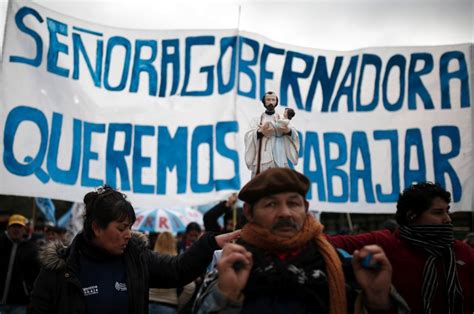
(120, 286)
(90, 290)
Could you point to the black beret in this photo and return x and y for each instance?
(273, 181)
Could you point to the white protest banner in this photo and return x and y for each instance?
(161, 114)
(371, 121)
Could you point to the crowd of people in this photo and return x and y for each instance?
(271, 256)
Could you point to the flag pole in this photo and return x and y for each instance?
(33, 217)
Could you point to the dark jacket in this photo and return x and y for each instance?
(295, 284)
(25, 269)
(58, 290)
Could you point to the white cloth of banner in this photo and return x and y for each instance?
(161, 115)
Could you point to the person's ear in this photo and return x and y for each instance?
(410, 215)
(96, 229)
(248, 212)
(306, 205)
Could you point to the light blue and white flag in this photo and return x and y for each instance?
(64, 220)
(47, 208)
(76, 221)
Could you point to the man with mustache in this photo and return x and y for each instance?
(283, 263)
(260, 138)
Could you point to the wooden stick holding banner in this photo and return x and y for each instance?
(349, 222)
(234, 216)
(33, 218)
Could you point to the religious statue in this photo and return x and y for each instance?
(271, 141)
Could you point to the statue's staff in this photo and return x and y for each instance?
(259, 152)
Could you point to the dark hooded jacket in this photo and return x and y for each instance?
(58, 289)
(24, 271)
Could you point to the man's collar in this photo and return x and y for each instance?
(285, 255)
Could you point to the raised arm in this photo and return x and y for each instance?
(212, 215)
(173, 271)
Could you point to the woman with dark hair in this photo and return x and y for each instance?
(109, 269)
(432, 271)
(192, 233)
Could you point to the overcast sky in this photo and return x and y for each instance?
(332, 25)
